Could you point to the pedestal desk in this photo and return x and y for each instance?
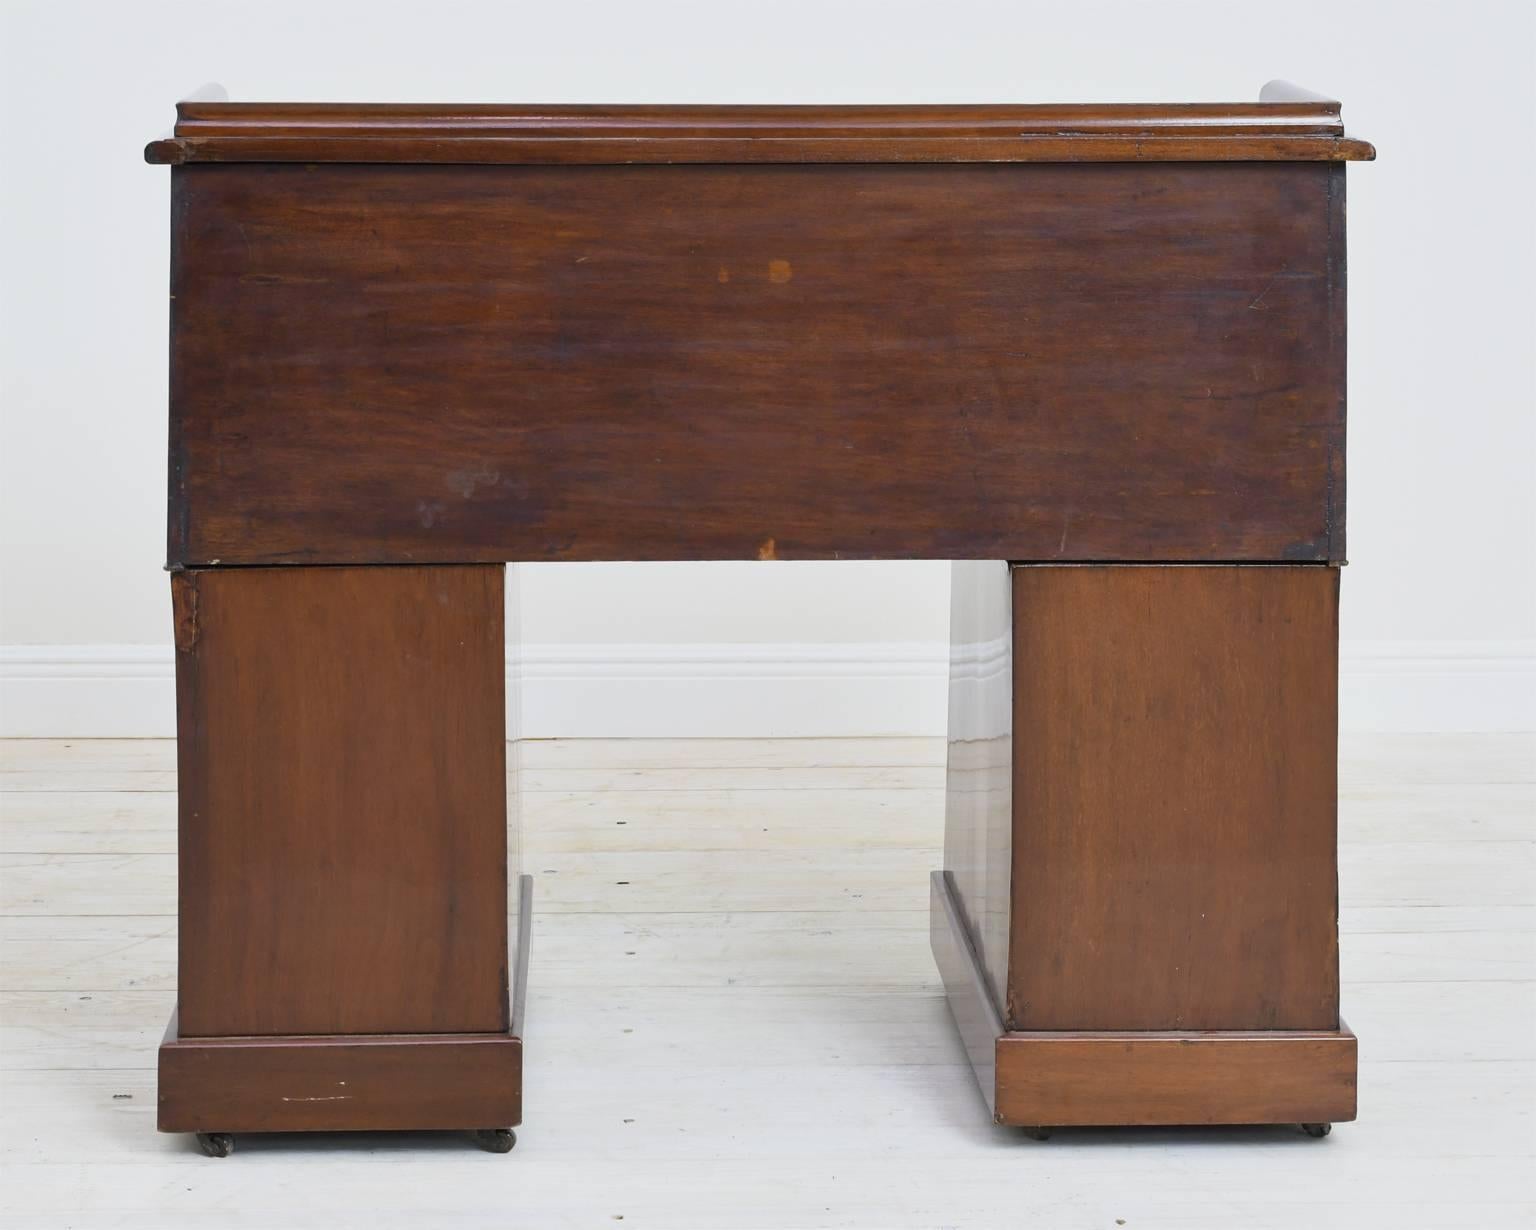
(1093, 354)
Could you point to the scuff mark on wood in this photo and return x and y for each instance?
(470, 479)
(184, 610)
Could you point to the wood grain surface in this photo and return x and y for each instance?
(457, 363)
(1072, 1079)
(1175, 799)
(358, 1083)
(343, 825)
(1282, 125)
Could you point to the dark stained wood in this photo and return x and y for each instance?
(343, 844)
(355, 1083)
(1275, 128)
(1334, 359)
(1175, 776)
(1083, 1079)
(1050, 334)
(445, 363)
(970, 998)
(978, 780)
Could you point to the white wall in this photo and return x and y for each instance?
(1440, 607)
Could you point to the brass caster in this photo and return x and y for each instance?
(216, 1144)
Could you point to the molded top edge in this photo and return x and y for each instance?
(1288, 124)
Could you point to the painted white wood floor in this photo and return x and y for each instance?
(734, 1020)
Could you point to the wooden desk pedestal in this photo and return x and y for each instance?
(343, 853)
(1137, 922)
(1093, 354)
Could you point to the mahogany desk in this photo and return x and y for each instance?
(1095, 354)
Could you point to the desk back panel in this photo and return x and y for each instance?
(376, 363)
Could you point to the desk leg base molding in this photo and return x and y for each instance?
(1093, 1079)
(340, 1084)
(1136, 1078)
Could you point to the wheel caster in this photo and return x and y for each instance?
(496, 1140)
(216, 1144)
(1038, 1133)
(1317, 1130)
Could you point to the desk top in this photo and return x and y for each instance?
(1287, 124)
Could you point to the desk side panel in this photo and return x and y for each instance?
(343, 824)
(1175, 774)
(481, 363)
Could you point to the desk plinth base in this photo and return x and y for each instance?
(1100, 1078)
(344, 1083)
(353, 1082)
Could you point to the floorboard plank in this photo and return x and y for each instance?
(757, 1003)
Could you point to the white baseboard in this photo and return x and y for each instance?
(759, 690)
(87, 691)
(1470, 686)
(734, 691)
